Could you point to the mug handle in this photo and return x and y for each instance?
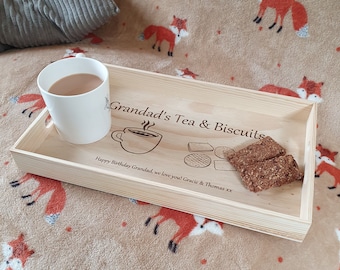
(117, 135)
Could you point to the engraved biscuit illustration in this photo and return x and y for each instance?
(221, 150)
(199, 147)
(197, 160)
(223, 165)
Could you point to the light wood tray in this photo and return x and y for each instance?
(165, 147)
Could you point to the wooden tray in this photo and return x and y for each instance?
(165, 147)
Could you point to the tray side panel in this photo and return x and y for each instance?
(167, 196)
(35, 134)
(216, 94)
(307, 194)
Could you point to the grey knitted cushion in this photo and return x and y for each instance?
(29, 23)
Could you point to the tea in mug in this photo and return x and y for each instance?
(75, 84)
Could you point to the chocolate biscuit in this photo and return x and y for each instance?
(273, 172)
(262, 150)
(264, 164)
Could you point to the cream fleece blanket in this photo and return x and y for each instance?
(227, 42)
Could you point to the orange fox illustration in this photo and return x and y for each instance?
(178, 29)
(332, 170)
(38, 104)
(308, 89)
(325, 162)
(94, 38)
(299, 14)
(189, 225)
(324, 154)
(16, 253)
(74, 52)
(186, 73)
(57, 200)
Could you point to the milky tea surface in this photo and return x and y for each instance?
(75, 84)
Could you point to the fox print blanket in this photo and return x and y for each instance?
(290, 49)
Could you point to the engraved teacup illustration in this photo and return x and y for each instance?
(137, 140)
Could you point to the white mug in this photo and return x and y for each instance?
(80, 118)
